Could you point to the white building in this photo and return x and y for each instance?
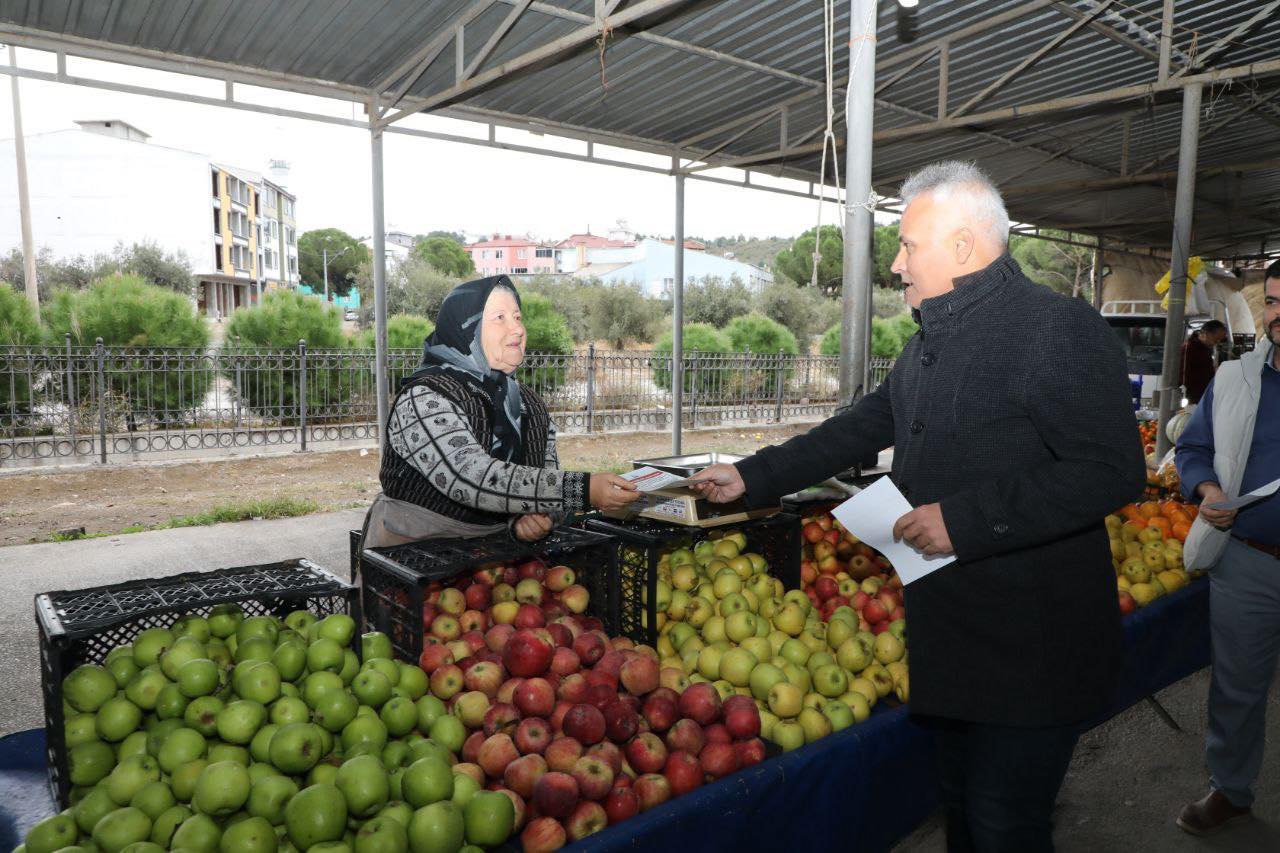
(650, 264)
(398, 245)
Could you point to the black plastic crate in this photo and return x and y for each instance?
(641, 542)
(83, 626)
(395, 579)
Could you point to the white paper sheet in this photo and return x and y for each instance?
(871, 514)
(1249, 497)
(647, 479)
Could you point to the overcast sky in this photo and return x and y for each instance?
(429, 184)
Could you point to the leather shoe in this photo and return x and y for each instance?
(1210, 814)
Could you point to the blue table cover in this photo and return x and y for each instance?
(868, 786)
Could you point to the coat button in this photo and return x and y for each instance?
(916, 427)
(928, 359)
(1000, 528)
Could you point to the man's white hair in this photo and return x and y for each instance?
(967, 184)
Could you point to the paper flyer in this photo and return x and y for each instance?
(871, 514)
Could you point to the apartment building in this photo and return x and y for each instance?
(504, 254)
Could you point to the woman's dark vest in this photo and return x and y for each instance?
(403, 482)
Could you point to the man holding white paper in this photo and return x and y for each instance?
(1238, 420)
(1013, 436)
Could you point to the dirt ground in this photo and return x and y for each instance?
(107, 499)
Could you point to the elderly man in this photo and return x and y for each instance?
(1231, 447)
(1013, 437)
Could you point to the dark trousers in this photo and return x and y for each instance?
(998, 784)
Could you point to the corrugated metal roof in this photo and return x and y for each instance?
(697, 70)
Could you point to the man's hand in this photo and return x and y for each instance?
(532, 527)
(610, 492)
(1211, 493)
(924, 530)
(720, 483)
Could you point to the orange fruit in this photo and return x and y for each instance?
(1160, 523)
(1149, 509)
(1181, 530)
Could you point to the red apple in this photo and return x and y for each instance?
(610, 754)
(719, 759)
(599, 676)
(446, 681)
(576, 598)
(660, 713)
(496, 637)
(523, 773)
(561, 634)
(717, 733)
(474, 620)
(584, 723)
(899, 612)
(573, 688)
(565, 661)
(452, 601)
(477, 596)
(543, 835)
(686, 735)
(475, 771)
(559, 578)
(534, 698)
(433, 657)
(826, 587)
(533, 735)
(665, 693)
(429, 614)
(588, 818)
(620, 721)
(750, 751)
(529, 616)
(562, 753)
(700, 703)
(531, 568)
(647, 753)
(653, 789)
(471, 747)
(812, 532)
(526, 654)
(742, 722)
(507, 692)
(621, 804)
(875, 612)
(555, 794)
(501, 719)
(1127, 602)
(594, 778)
(496, 753)
(640, 675)
(485, 677)
(557, 716)
(683, 772)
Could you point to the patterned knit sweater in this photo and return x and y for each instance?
(437, 456)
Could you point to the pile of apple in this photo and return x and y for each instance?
(838, 570)
(723, 619)
(582, 730)
(230, 733)
(1146, 550)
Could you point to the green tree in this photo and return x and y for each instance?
(135, 317)
(413, 287)
(1067, 269)
(761, 335)
(621, 313)
(152, 263)
(796, 263)
(345, 253)
(445, 254)
(888, 336)
(548, 342)
(887, 302)
(404, 331)
(714, 301)
(801, 309)
(18, 323)
(885, 248)
(698, 337)
(269, 382)
(18, 328)
(572, 298)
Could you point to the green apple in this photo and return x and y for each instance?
(709, 662)
(254, 648)
(202, 715)
(387, 667)
(335, 709)
(785, 699)
(399, 811)
(449, 732)
(217, 651)
(763, 677)
(229, 752)
(413, 681)
(888, 648)
(296, 748)
(287, 709)
(364, 729)
(838, 631)
(489, 818)
(316, 684)
(375, 644)
(258, 626)
(182, 650)
(300, 621)
(268, 796)
(80, 728)
(799, 676)
(430, 708)
(350, 667)
(382, 835)
(464, 788)
(120, 828)
(898, 627)
(240, 721)
(438, 828)
(736, 666)
(399, 716)
(153, 799)
(814, 723)
(363, 781)
(314, 815)
(197, 833)
(170, 703)
(192, 625)
(852, 655)
(167, 823)
(260, 683)
(180, 747)
(323, 773)
(796, 652)
(150, 644)
(426, 781)
(198, 677)
(818, 660)
(122, 668)
(137, 743)
(224, 619)
(859, 703)
(830, 680)
(183, 780)
(254, 835)
(788, 734)
(131, 776)
(117, 718)
(92, 808)
(290, 660)
(838, 714)
(372, 688)
(88, 687)
(221, 789)
(430, 748)
(338, 627)
(260, 746)
(758, 646)
(325, 655)
(395, 754)
(52, 833)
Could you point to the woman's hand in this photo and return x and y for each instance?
(532, 527)
(610, 492)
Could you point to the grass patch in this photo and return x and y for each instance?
(264, 509)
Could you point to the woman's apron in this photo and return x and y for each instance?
(391, 522)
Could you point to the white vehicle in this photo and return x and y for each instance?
(350, 315)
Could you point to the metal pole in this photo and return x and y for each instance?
(302, 393)
(379, 280)
(677, 322)
(24, 195)
(1097, 275)
(324, 254)
(1166, 40)
(591, 386)
(1183, 209)
(102, 402)
(855, 328)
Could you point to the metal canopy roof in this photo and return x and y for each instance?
(1066, 103)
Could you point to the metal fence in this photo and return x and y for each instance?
(77, 404)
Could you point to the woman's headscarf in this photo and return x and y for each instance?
(454, 349)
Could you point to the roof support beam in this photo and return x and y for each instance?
(1166, 40)
(1134, 180)
(1105, 29)
(503, 28)
(1031, 60)
(553, 49)
(901, 56)
(1265, 13)
(1212, 129)
(412, 69)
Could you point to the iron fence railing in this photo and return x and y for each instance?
(84, 403)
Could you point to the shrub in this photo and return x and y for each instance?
(715, 301)
(269, 381)
(888, 337)
(830, 341)
(413, 287)
(128, 313)
(547, 342)
(698, 337)
(800, 309)
(18, 327)
(765, 338)
(622, 313)
(404, 331)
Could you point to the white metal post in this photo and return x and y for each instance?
(379, 282)
(24, 195)
(677, 322)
